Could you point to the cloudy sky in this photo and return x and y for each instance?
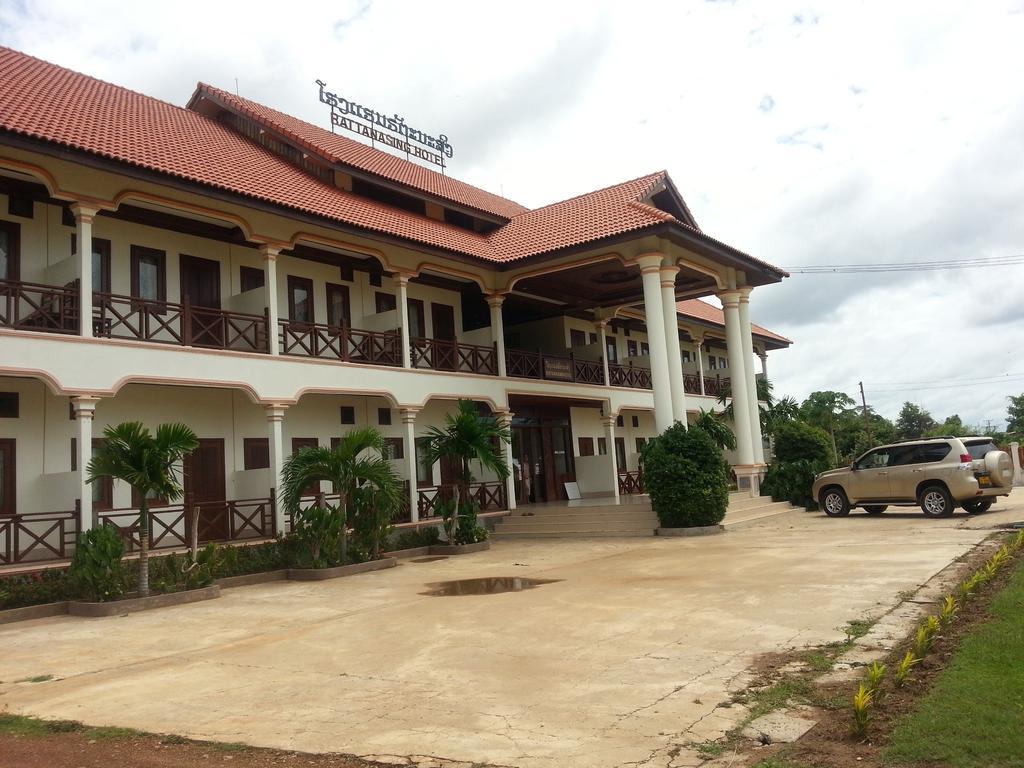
(804, 133)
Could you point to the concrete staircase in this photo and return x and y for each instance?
(744, 509)
(632, 516)
(589, 518)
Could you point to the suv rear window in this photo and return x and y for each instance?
(979, 449)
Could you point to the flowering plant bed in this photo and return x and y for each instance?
(321, 574)
(134, 604)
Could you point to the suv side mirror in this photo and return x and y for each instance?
(853, 466)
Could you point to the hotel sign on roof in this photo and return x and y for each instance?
(380, 129)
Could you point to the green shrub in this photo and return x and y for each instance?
(175, 573)
(97, 570)
(791, 481)
(419, 537)
(798, 441)
(320, 531)
(687, 478)
(371, 515)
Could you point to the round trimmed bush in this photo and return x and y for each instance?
(687, 478)
(799, 441)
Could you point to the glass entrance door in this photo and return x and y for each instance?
(542, 454)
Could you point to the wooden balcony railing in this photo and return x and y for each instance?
(629, 376)
(715, 386)
(349, 345)
(37, 307)
(442, 355)
(632, 482)
(125, 317)
(38, 536)
(229, 520)
(523, 364)
(489, 495)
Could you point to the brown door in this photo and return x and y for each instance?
(298, 443)
(620, 453)
(200, 285)
(7, 478)
(205, 488)
(443, 317)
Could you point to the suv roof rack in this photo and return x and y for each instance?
(925, 439)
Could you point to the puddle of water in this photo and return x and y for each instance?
(429, 559)
(486, 586)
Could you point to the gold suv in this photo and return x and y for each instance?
(937, 474)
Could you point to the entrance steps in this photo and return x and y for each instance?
(603, 518)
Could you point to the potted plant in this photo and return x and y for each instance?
(366, 486)
(467, 437)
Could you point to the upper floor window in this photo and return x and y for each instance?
(9, 250)
(723, 362)
(686, 355)
(300, 299)
(251, 278)
(712, 362)
(339, 308)
(577, 338)
(645, 348)
(385, 302)
(149, 273)
(631, 348)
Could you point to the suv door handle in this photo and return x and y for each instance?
(917, 470)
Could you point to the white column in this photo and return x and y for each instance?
(748, 365)
(763, 354)
(85, 410)
(700, 361)
(269, 254)
(402, 281)
(505, 419)
(609, 439)
(738, 383)
(494, 301)
(83, 236)
(675, 358)
(602, 333)
(650, 271)
(275, 438)
(409, 425)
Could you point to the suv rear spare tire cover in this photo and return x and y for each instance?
(1000, 468)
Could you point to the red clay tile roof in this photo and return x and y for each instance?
(345, 151)
(54, 104)
(701, 310)
(44, 101)
(593, 216)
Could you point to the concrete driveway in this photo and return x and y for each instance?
(619, 661)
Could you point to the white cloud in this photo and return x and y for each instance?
(802, 132)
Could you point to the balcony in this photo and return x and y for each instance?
(440, 355)
(37, 307)
(349, 345)
(713, 387)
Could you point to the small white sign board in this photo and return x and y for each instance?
(572, 490)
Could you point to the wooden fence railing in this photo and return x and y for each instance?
(631, 482)
(332, 342)
(38, 536)
(440, 355)
(38, 307)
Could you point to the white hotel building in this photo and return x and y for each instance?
(272, 284)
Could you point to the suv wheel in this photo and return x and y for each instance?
(834, 502)
(935, 501)
(875, 509)
(977, 507)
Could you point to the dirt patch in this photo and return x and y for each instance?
(82, 749)
(831, 742)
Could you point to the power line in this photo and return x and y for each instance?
(965, 379)
(913, 266)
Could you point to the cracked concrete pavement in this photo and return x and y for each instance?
(624, 661)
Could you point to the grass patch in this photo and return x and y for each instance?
(983, 686)
(229, 746)
(20, 725)
(819, 662)
(777, 762)
(709, 749)
(857, 628)
(35, 679)
(773, 697)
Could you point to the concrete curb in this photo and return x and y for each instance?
(134, 604)
(245, 579)
(459, 549)
(700, 530)
(28, 612)
(411, 552)
(322, 574)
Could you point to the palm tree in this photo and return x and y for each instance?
(716, 428)
(348, 468)
(149, 464)
(467, 437)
